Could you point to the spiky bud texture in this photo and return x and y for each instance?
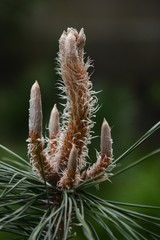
(77, 87)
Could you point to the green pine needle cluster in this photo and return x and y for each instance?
(33, 209)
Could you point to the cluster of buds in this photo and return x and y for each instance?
(61, 159)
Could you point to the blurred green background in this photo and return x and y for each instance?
(123, 39)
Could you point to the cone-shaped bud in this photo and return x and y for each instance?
(53, 123)
(35, 112)
(70, 44)
(81, 38)
(106, 140)
(81, 42)
(62, 43)
(72, 162)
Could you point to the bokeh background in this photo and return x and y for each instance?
(123, 39)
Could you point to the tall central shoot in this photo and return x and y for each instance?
(77, 113)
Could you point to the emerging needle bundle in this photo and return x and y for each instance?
(62, 162)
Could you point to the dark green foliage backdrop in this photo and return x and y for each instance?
(123, 39)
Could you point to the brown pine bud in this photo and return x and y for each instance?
(81, 42)
(35, 146)
(106, 140)
(54, 123)
(72, 162)
(70, 45)
(70, 177)
(35, 112)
